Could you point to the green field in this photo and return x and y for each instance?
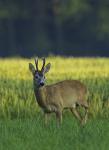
(21, 120)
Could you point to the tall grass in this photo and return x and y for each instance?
(17, 99)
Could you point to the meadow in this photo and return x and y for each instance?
(21, 120)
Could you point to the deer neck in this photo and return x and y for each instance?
(39, 89)
(40, 93)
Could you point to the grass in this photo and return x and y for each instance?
(21, 121)
(30, 134)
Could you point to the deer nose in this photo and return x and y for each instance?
(41, 83)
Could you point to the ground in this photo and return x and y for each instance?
(21, 120)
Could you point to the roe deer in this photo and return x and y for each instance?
(56, 97)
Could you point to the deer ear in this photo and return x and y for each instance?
(31, 68)
(47, 68)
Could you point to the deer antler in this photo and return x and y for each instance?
(36, 62)
(43, 59)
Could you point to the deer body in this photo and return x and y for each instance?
(56, 97)
(65, 94)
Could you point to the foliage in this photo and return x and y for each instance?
(68, 27)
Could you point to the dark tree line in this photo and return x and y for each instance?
(65, 27)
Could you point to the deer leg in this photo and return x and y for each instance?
(59, 117)
(46, 118)
(75, 112)
(86, 115)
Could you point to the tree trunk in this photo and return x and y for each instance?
(11, 37)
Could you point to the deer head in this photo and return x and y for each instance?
(39, 75)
